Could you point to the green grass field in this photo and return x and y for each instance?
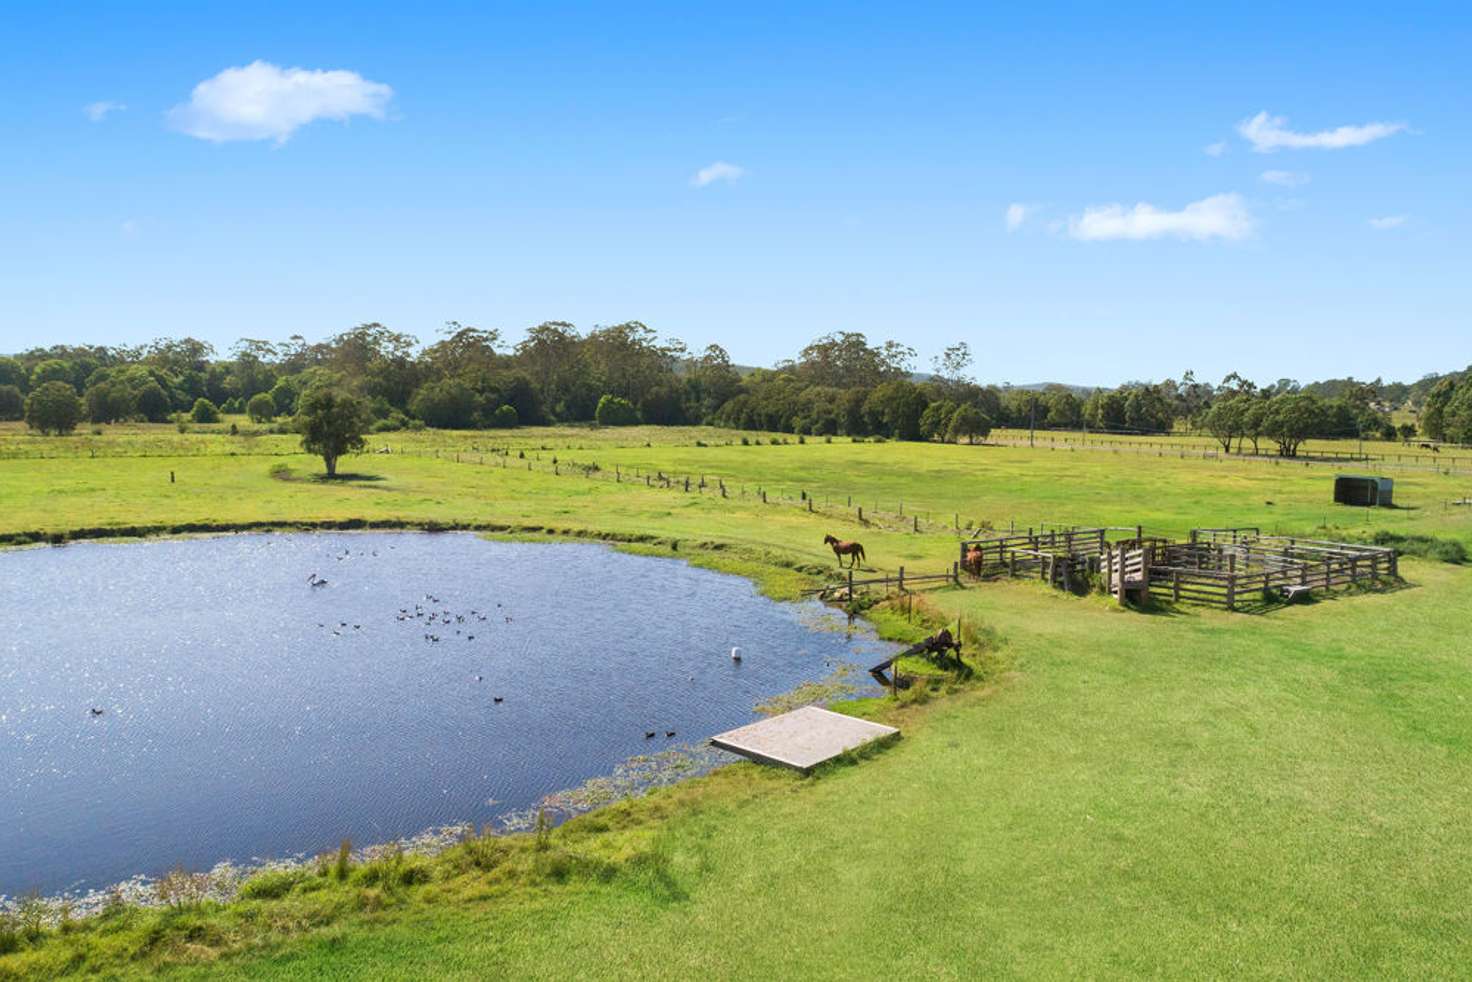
(1185, 792)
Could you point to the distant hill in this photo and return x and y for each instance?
(1082, 391)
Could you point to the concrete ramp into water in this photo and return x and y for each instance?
(803, 738)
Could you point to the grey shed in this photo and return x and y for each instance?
(1361, 490)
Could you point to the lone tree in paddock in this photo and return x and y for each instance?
(970, 422)
(53, 407)
(332, 422)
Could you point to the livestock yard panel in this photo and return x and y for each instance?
(1225, 567)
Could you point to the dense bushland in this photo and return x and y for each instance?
(838, 384)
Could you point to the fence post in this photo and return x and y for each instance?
(850, 583)
(902, 579)
(917, 523)
(1175, 584)
(861, 514)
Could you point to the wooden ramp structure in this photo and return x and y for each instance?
(803, 738)
(1127, 568)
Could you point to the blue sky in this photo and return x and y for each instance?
(501, 166)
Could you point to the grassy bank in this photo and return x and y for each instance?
(1188, 792)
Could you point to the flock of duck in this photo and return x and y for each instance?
(446, 620)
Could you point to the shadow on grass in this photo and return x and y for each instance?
(346, 478)
(1155, 608)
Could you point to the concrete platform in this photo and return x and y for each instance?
(801, 739)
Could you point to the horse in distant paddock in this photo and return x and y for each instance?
(854, 550)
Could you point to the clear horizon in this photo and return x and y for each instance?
(1086, 200)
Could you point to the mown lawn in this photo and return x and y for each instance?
(1184, 792)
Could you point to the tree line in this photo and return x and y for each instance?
(838, 384)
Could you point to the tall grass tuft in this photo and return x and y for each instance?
(179, 888)
(344, 863)
(9, 933)
(543, 830)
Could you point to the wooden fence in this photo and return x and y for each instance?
(1231, 567)
(1035, 550)
(900, 580)
(1225, 567)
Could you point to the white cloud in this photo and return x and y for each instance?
(1215, 149)
(1284, 178)
(1221, 216)
(262, 101)
(1268, 133)
(1388, 221)
(718, 171)
(97, 111)
(1017, 213)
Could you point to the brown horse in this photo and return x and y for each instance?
(973, 561)
(854, 550)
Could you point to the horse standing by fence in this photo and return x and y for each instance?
(854, 550)
(974, 557)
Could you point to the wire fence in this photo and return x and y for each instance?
(865, 510)
(1427, 462)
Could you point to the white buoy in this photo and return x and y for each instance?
(735, 654)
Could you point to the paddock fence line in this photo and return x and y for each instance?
(864, 510)
(1450, 464)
